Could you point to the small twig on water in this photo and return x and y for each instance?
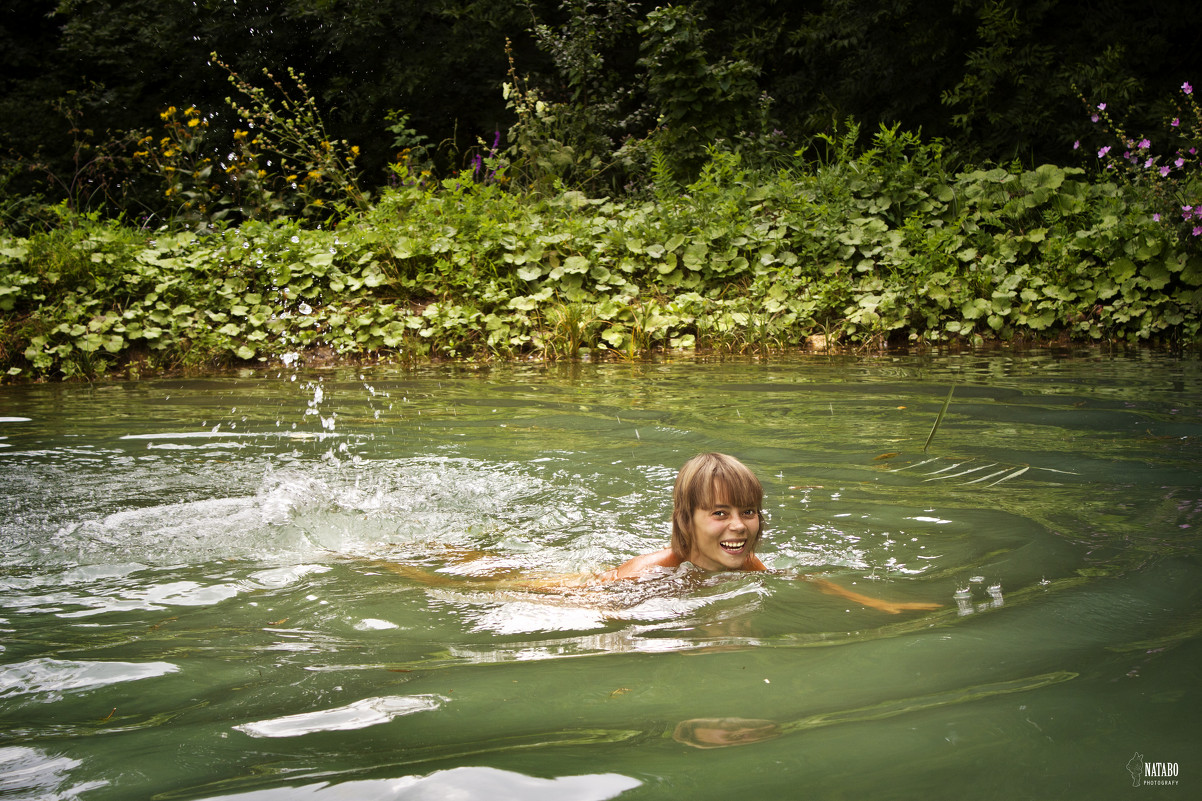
(939, 419)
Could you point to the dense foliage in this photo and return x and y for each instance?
(84, 82)
(196, 184)
(875, 246)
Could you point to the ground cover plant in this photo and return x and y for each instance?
(876, 243)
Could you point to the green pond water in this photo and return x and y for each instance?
(283, 584)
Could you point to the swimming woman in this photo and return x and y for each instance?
(717, 521)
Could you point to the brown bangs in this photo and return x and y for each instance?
(714, 477)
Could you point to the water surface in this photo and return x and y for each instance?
(287, 584)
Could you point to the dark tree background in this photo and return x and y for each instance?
(996, 79)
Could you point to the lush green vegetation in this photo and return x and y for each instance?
(872, 246)
(630, 178)
(82, 82)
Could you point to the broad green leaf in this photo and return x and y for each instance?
(576, 264)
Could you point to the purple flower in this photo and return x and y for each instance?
(1176, 122)
(1148, 163)
(1164, 170)
(1103, 151)
(1144, 144)
(1102, 106)
(1156, 217)
(1185, 87)
(1198, 230)
(1179, 163)
(1093, 117)
(1077, 144)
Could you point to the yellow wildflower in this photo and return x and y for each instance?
(192, 123)
(168, 114)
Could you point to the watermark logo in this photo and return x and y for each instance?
(1148, 774)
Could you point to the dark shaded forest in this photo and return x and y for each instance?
(195, 185)
(84, 80)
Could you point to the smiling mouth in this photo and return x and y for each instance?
(733, 546)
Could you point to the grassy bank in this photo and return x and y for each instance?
(866, 251)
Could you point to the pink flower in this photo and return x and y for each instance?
(1198, 230)
(1148, 163)
(1102, 106)
(1176, 122)
(1156, 218)
(1164, 170)
(1077, 144)
(1093, 117)
(1179, 163)
(1103, 151)
(1144, 144)
(1185, 87)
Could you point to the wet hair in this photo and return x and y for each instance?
(701, 482)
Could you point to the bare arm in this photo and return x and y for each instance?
(893, 608)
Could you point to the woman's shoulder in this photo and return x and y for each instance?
(641, 564)
(663, 559)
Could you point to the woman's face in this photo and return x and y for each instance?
(724, 536)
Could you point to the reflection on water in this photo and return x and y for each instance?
(349, 585)
(462, 783)
(359, 715)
